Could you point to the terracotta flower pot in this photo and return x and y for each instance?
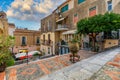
(76, 58)
(2, 67)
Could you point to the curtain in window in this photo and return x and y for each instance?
(92, 11)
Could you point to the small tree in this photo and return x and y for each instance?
(5, 56)
(98, 23)
(73, 49)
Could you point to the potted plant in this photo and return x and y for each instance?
(74, 57)
(2, 62)
(5, 56)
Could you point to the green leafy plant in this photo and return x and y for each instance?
(10, 62)
(73, 49)
(74, 40)
(5, 44)
(98, 23)
(36, 54)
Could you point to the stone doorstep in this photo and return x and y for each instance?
(83, 69)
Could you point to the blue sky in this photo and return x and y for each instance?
(28, 13)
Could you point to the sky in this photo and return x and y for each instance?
(28, 13)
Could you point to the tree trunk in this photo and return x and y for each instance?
(73, 58)
(93, 43)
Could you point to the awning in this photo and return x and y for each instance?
(69, 32)
(60, 19)
(62, 29)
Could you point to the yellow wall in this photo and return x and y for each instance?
(111, 43)
(4, 27)
(30, 40)
(52, 36)
(30, 37)
(45, 47)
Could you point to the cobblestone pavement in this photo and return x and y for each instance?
(35, 70)
(86, 68)
(111, 71)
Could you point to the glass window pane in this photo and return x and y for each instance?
(65, 8)
(109, 5)
(80, 1)
(23, 40)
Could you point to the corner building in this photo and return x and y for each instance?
(58, 29)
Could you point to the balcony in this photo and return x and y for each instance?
(47, 42)
(61, 27)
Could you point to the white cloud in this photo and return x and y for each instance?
(31, 9)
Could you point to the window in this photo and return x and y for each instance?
(109, 5)
(75, 18)
(65, 8)
(23, 40)
(44, 39)
(44, 28)
(48, 25)
(111, 35)
(38, 40)
(92, 11)
(48, 50)
(80, 1)
(49, 39)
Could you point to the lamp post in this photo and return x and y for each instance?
(27, 54)
(12, 47)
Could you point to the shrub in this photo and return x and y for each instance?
(10, 62)
(36, 54)
(5, 56)
(73, 48)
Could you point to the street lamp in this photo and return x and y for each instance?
(27, 54)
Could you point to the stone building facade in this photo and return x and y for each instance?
(26, 39)
(3, 24)
(11, 29)
(6, 28)
(61, 24)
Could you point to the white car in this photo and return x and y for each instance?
(24, 55)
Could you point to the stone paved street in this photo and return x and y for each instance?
(60, 68)
(86, 68)
(111, 71)
(35, 70)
